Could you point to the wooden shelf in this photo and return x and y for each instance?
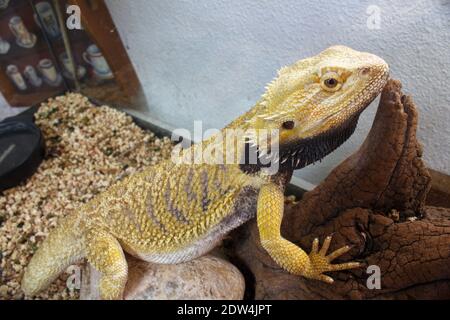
(13, 5)
(98, 28)
(28, 99)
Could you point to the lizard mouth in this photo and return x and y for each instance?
(298, 154)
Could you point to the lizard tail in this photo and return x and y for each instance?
(63, 247)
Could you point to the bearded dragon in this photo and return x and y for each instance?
(174, 212)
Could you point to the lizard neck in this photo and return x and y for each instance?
(242, 121)
(229, 141)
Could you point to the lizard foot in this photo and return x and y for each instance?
(320, 262)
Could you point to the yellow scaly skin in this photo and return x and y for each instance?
(170, 213)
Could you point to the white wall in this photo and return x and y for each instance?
(210, 59)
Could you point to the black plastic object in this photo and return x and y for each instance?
(22, 149)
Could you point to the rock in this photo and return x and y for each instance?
(205, 278)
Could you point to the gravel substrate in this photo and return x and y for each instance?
(88, 149)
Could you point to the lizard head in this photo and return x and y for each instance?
(315, 103)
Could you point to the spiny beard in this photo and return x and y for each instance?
(299, 154)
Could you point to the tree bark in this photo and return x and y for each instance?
(374, 201)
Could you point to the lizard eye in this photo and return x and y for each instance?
(288, 125)
(331, 82)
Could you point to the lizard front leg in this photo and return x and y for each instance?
(106, 255)
(289, 256)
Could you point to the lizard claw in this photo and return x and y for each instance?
(321, 262)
